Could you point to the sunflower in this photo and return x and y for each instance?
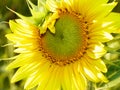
(60, 46)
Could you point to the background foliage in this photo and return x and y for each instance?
(111, 58)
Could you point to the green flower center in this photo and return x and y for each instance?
(66, 44)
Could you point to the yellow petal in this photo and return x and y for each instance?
(98, 76)
(79, 78)
(24, 71)
(100, 36)
(51, 5)
(98, 63)
(51, 27)
(54, 79)
(37, 76)
(66, 82)
(114, 20)
(45, 79)
(86, 70)
(96, 51)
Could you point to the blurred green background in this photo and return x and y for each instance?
(112, 57)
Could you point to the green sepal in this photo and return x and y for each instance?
(27, 19)
(38, 12)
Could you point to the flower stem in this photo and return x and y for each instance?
(90, 86)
